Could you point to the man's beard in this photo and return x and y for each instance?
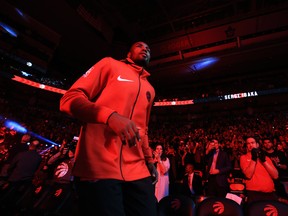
(143, 63)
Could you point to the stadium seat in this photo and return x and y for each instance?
(219, 206)
(177, 205)
(266, 207)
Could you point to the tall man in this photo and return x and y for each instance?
(217, 170)
(113, 99)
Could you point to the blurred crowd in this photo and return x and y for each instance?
(53, 136)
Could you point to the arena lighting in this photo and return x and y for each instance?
(45, 150)
(222, 97)
(203, 63)
(17, 127)
(174, 103)
(19, 12)
(9, 29)
(38, 85)
(25, 74)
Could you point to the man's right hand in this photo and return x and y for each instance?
(124, 128)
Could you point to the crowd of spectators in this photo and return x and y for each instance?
(183, 142)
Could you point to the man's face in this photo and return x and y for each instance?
(251, 143)
(140, 54)
(267, 144)
(189, 168)
(216, 143)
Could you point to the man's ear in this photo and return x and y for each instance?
(129, 54)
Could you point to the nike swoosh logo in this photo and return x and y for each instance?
(123, 80)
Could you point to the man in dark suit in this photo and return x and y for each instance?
(217, 170)
(192, 182)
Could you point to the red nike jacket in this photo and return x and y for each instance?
(108, 86)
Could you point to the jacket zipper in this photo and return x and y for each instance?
(136, 96)
(130, 117)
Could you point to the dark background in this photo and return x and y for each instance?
(64, 38)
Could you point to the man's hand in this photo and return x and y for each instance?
(214, 171)
(254, 154)
(153, 171)
(124, 128)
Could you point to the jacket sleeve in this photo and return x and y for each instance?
(147, 151)
(78, 100)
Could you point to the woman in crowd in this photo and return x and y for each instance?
(163, 166)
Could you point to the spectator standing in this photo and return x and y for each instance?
(259, 171)
(163, 165)
(280, 162)
(24, 165)
(217, 171)
(198, 152)
(171, 155)
(20, 176)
